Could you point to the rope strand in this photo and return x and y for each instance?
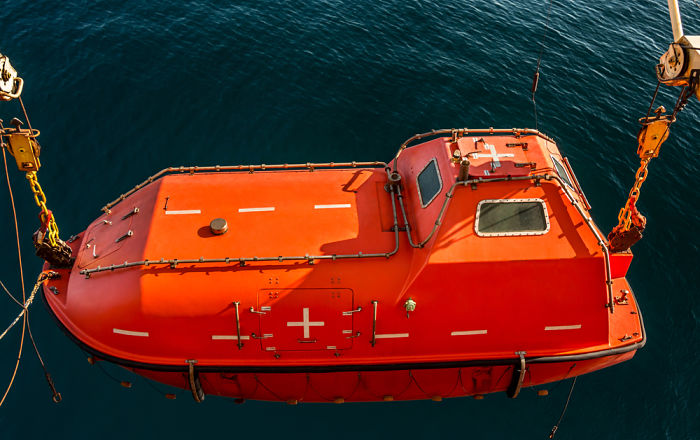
(21, 274)
(18, 302)
(56, 396)
(536, 76)
(566, 405)
(25, 312)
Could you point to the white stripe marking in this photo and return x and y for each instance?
(129, 332)
(340, 205)
(563, 327)
(184, 211)
(270, 348)
(391, 335)
(347, 332)
(263, 209)
(468, 333)
(228, 338)
(330, 347)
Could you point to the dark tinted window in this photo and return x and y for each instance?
(561, 171)
(429, 183)
(505, 217)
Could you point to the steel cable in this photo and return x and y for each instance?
(536, 76)
(566, 405)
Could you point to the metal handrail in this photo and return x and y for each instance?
(250, 168)
(243, 260)
(457, 133)
(546, 177)
(395, 191)
(454, 132)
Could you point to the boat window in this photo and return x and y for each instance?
(559, 168)
(504, 217)
(429, 183)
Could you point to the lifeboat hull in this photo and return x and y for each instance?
(355, 283)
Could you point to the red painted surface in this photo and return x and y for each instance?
(479, 300)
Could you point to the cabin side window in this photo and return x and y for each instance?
(506, 217)
(561, 171)
(429, 183)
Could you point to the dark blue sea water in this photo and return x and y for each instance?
(123, 89)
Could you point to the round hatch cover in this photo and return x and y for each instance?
(218, 226)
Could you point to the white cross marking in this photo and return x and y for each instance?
(494, 156)
(306, 323)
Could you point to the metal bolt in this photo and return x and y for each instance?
(410, 306)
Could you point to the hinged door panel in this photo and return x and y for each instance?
(305, 319)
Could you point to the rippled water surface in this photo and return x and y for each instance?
(122, 89)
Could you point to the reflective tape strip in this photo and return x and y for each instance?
(129, 332)
(563, 327)
(228, 337)
(391, 335)
(468, 333)
(185, 211)
(341, 205)
(263, 209)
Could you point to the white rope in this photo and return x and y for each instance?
(24, 310)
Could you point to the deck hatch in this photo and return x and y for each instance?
(429, 183)
(508, 217)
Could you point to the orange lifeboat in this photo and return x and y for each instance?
(468, 265)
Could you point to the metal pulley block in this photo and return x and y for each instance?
(621, 240)
(10, 84)
(60, 256)
(23, 146)
(671, 66)
(679, 65)
(653, 133)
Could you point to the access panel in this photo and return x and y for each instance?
(305, 319)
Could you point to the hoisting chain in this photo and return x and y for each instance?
(629, 214)
(48, 224)
(46, 240)
(654, 132)
(22, 145)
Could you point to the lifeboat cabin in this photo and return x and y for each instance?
(467, 265)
